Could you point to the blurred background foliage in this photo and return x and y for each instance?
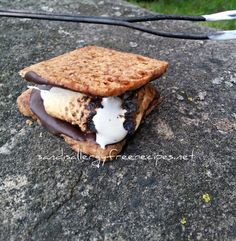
(192, 7)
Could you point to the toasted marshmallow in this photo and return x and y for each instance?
(109, 122)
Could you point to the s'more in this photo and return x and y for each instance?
(93, 97)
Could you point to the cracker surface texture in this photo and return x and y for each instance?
(99, 71)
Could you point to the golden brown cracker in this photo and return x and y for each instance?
(23, 103)
(99, 71)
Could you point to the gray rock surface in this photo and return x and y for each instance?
(175, 180)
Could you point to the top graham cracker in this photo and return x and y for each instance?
(98, 71)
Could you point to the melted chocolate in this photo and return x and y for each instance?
(130, 105)
(31, 76)
(54, 125)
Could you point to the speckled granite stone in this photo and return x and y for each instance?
(175, 180)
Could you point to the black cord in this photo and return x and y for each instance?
(99, 20)
(155, 17)
(164, 17)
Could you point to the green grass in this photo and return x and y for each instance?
(192, 7)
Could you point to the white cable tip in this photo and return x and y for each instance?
(227, 15)
(223, 35)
